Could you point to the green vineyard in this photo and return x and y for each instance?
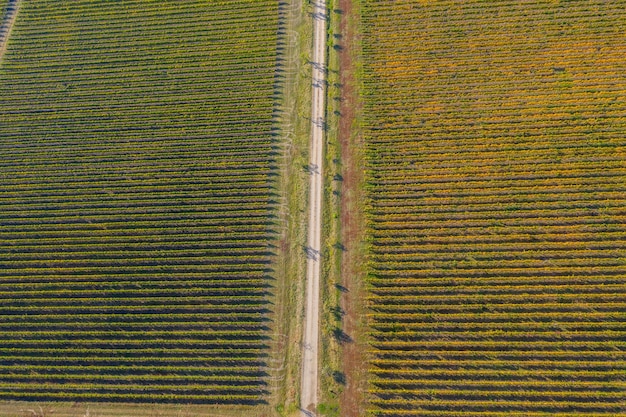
(137, 143)
(496, 186)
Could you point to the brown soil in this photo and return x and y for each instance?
(351, 223)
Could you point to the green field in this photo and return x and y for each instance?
(496, 184)
(137, 165)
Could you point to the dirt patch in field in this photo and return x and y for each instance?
(351, 221)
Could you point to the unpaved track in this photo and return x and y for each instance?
(310, 338)
(7, 24)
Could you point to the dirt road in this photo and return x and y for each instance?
(310, 338)
(6, 24)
